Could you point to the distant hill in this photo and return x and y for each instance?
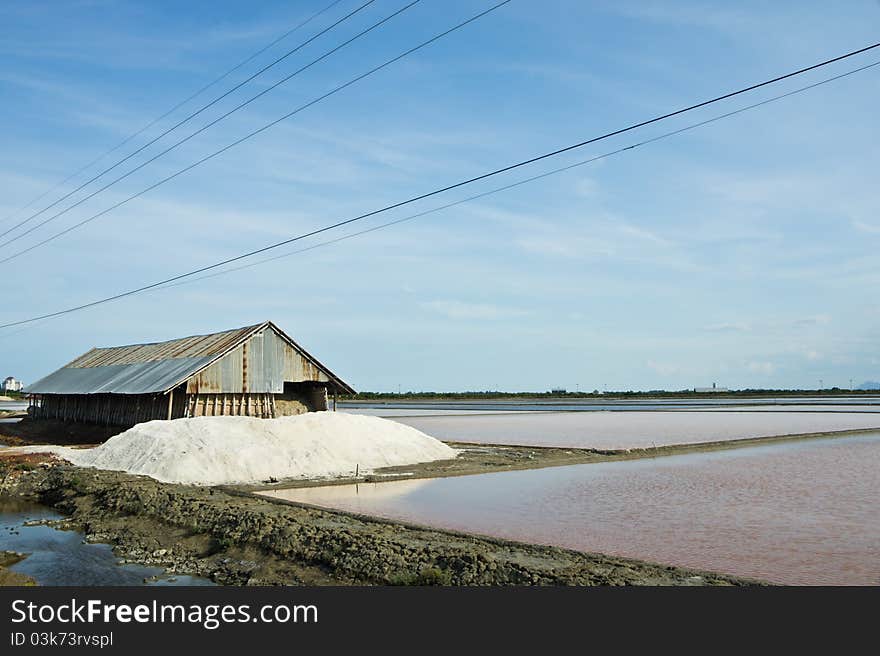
(869, 385)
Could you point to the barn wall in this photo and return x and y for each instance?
(260, 365)
(215, 405)
(128, 410)
(108, 409)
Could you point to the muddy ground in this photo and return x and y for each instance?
(8, 558)
(51, 431)
(236, 538)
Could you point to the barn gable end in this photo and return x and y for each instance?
(262, 363)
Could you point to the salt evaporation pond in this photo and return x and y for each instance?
(802, 512)
(388, 413)
(823, 407)
(390, 408)
(392, 413)
(629, 430)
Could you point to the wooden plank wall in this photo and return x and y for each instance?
(108, 409)
(215, 405)
(128, 410)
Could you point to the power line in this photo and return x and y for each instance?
(183, 102)
(374, 70)
(441, 190)
(174, 127)
(238, 141)
(525, 181)
(194, 134)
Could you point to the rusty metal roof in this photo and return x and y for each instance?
(137, 378)
(152, 368)
(197, 346)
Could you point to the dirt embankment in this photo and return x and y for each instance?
(235, 538)
(8, 558)
(51, 431)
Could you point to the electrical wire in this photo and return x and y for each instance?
(183, 102)
(525, 181)
(171, 129)
(236, 142)
(435, 192)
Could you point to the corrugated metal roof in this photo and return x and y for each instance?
(136, 378)
(197, 346)
(157, 367)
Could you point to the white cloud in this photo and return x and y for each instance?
(586, 187)
(736, 327)
(815, 320)
(866, 227)
(462, 310)
(641, 233)
(722, 19)
(566, 246)
(766, 368)
(664, 368)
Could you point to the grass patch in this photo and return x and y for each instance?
(427, 576)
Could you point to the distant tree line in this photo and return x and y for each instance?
(595, 394)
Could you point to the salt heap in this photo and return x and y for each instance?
(219, 450)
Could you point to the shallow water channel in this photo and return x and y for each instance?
(61, 558)
(802, 512)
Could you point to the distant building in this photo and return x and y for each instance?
(709, 390)
(12, 385)
(558, 390)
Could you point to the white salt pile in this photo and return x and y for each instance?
(218, 450)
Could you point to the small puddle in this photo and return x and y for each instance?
(62, 558)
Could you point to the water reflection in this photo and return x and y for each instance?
(800, 513)
(371, 492)
(60, 557)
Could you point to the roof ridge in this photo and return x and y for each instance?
(175, 339)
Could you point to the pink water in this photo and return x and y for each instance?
(803, 512)
(636, 429)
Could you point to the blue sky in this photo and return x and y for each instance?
(744, 252)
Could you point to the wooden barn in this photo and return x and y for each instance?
(257, 371)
